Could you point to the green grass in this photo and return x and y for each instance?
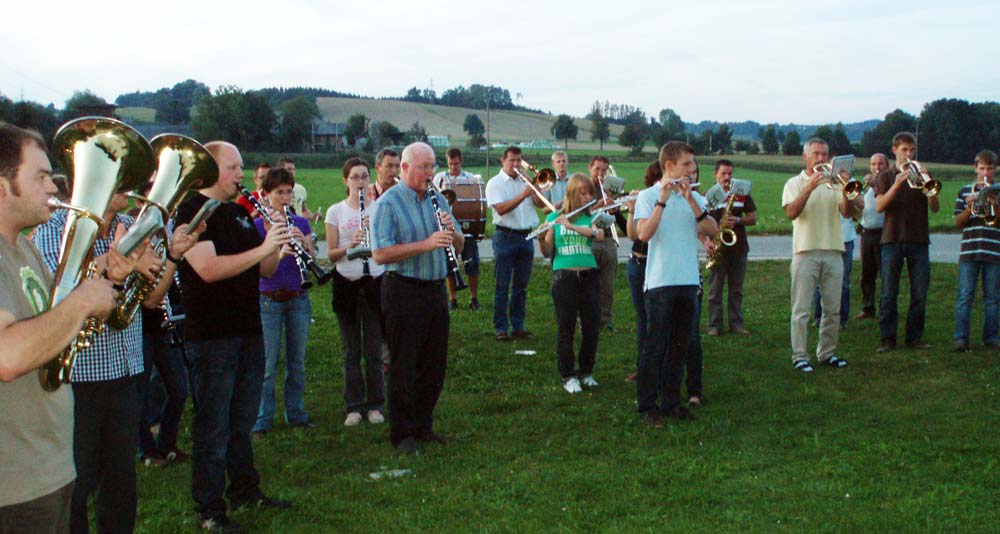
(326, 187)
(904, 441)
(136, 114)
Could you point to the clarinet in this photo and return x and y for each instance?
(303, 270)
(322, 275)
(363, 250)
(454, 270)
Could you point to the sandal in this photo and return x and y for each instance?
(803, 365)
(835, 362)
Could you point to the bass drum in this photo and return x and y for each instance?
(470, 206)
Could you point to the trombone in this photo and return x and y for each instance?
(541, 180)
(917, 178)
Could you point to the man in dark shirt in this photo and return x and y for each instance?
(224, 342)
(732, 266)
(905, 238)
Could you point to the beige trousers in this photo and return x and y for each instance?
(811, 269)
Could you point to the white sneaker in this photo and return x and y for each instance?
(353, 419)
(572, 385)
(375, 417)
(589, 382)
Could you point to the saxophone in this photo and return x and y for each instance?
(726, 235)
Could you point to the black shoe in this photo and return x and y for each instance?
(886, 346)
(917, 344)
(453, 304)
(681, 413)
(961, 346)
(263, 503)
(304, 425)
(522, 334)
(409, 447)
(474, 304)
(219, 523)
(652, 418)
(432, 437)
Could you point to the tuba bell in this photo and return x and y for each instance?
(184, 165)
(101, 157)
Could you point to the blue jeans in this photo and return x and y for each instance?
(226, 377)
(968, 272)
(845, 291)
(669, 312)
(512, 255)
(918, 267)
(636, 271)
(292, 317)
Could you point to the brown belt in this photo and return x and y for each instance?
(281, 295)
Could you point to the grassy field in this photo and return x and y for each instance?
(326, 187)
(903, 441)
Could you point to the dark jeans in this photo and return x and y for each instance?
(919, 269)
(48, 514)
(693, 361)
(669, 312)
(512, 255)
(416, 329)
(845, 288)
(731, 271)
(871, 263)
(362, 390)
(106, 415)
(636, 271)
(577, 294)
(170, 366)
(226, 376)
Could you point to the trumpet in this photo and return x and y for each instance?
(541, 180)
(322, 275)
(984, 205)
(917, 178)
(838, 176)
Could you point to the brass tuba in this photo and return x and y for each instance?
(184, 165)
(101, 156)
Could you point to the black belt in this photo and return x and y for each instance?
(512, 231)
(281, 295)
(414, 281)
(871, 230)
(638, 258)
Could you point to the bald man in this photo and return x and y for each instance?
(871, 238)
(224, 343)
(407, 241)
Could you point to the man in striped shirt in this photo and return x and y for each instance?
(980, 254)
(409, 240)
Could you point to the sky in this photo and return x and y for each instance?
(779, 61)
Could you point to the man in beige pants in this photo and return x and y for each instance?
(817, 248)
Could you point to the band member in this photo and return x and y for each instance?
(224, 342)
(258, 179)
(410, 239)
(387, 172)
(817, 249)
(731, 268)
(284, 306)
(575, 283)
(514, 215)
(606, 251)
(470, 253)
(556, 193)
(635, 269)
(905, 238)
(849, 235)
(357, 285)
(980, 253)
(669, 217)
(299, 194)
(36, 426)
(871, 239)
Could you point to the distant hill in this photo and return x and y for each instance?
(445, 120)
(749, 129)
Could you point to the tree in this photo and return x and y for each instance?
(723, 139)
(79, 100)
(753, 148)
(416, 133)
(792, 145)
(634, 136)
(840, 145)
(243, 118)
(672, 124)
(600, 128)
(355, 129)
(30, 115)
(769, 140)
(173, 106)
(474, 126)
(879, 138)
(388, 130)
(565, 129)
(297, 116)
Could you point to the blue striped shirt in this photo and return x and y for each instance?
(114, 353)
(399, 217)
(980, 243)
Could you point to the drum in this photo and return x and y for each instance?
(470, 206)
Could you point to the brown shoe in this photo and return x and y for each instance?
(502, 336)
(886, 346)
(740, 330)
(522, 334)
(652, 418)
(992, 346)
(917, 344)
(713, 331)
(632, 377)
(864, 315)
(961, 346)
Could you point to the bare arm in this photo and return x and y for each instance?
(748, 219)
(882, 201)
(212, 268)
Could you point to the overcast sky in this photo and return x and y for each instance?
(780, 61)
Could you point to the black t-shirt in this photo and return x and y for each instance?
(230, 307)
(152, 319)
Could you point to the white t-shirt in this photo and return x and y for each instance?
(818, 226)
(672, 259)
(298, 198)
(442, 180)
(502, 188)
(347, 220)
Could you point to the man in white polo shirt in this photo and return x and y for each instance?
(514, 216)
(817, 249)
(669, 217)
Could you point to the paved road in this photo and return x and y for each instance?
(944, 248)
